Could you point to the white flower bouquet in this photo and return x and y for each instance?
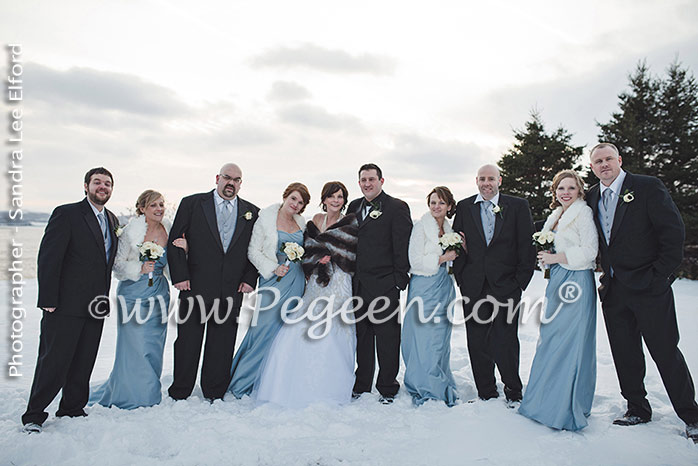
(544, 241)
(451, 242)
(294, 252)
(150, 251)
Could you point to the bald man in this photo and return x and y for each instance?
(215, 272)
(499, 264)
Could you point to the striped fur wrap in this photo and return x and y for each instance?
(338, 241)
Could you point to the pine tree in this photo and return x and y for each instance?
(633, 129)
(676, 159)
(529, 166)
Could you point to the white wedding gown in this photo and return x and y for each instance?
(298, 370)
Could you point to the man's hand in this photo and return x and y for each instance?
(49, 309)
(183, 286)
(245, 288)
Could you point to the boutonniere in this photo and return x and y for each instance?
(247, 215)
(118, 230)
(376, 212)
(498, 211)
(628, 196)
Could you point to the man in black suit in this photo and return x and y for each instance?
(641, 237)
(381, 272)
(74, 274)
(211, 278)
(498, 262)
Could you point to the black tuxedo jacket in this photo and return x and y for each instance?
(382, 263)
(647, 236)
(72, 264)
(509, 260)
(212, 272)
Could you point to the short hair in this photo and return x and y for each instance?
(371, 166)
(302, 190)
(557, 179)
(602, 145)
(329, 189)
(98, 171)
(445, 194)
(146, 198)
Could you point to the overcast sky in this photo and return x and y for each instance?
(163, 92)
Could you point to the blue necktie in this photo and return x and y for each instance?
(488, 226)
(105, 234)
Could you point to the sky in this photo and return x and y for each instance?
(163, 92)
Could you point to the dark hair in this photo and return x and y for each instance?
(302, 190)
(146, 198)
(329, 189)
(98, 171)
(445, 194)
(371, 166)
(561, 175)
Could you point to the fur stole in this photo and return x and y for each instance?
(127, 264)
(339, 241)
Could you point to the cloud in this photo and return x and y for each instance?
(103, 90)
(323, 59)
(286, 91)
(317, 117)
(423, 157)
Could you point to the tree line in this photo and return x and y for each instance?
(656, 131)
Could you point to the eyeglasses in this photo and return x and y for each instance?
(230, 178)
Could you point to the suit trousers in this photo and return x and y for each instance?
(67, 352)
(493, 341)
(381, 338)
(630, 316)
(218, 349)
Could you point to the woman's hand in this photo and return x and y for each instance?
(147, 267)
(325, 259)
(281, 270)
(182, 243)
(447, 256)
(548, 258)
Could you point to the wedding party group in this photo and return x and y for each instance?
(365, 252)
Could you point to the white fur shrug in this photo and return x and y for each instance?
(576, 235)
(424, 249)
(263, 243)
(127, 264)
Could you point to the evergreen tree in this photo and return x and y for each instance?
(676, 159)
(633, 128)
(529, 166)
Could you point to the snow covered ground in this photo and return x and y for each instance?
(194, 432)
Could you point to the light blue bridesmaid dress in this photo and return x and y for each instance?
(135, 379)
(248, 358)
(426, 347)
(561, 385)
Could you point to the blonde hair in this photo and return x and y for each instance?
(557, 179)
(145, 199)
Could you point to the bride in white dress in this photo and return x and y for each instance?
(312, 360)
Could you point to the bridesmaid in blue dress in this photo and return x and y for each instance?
(276, 225)
(561, 384)
(426, 339)
(141, 311)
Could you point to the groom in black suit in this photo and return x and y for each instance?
(641, 237)
(214, 273)
(498, 262)
(381, 272)
(74, 274)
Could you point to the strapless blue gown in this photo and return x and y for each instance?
(135, 379)
(426, 347)
(561, 386)
(248, 358)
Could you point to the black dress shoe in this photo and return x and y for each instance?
(489, 396)
(355, 395)
(32, 428)
(386, 400)
(630, 419)
(513, 397)
(692, 432)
